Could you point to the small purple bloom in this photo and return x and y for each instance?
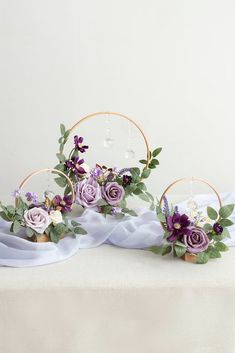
(78, 144)
(16, 193)
(166, 208)
(31, 197)
(75, 164)
(177, 226)
(113, 193)
(197, 241)
(62, 204)
(96, 172)
(218, 229)
(127, 179)
(116, 210)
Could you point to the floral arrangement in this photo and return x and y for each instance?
(103, 188)
(194, 237)
(42, 221)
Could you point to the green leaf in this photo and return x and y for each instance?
(61, 157)
(207, 227)
(62, 129)
(142, 186)
(156, 249)
(29, 232)
(11, 209)
(130, 212)
(61, 167)
(55, 237)
(60, 228)
(143, 197)
(161, 217)
(221, 246)
(156, 152)
(150, 196)
(226, 211)
(4, 216)
(61, 181)
(212, 214)
(67, 133)
(166, 249)
(137, 191)
(152, 207)
(102, 202)
(214, 253)
(79, 230)
(16, 226)
(226, 222)
(180, 250)
(75, 223)
(202, 258)
(146, 173)
(143, 161)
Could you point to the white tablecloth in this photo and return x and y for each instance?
(113, 300)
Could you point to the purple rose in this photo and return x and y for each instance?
(37, 219)
(113, 193)
(197, 242)
(218, 229)
(88, 192)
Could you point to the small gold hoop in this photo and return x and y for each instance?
(87, 117)
(190, 179)
(30, 176)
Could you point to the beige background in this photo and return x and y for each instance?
(169, 64)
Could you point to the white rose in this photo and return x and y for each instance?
(37, 219)
(56, 217)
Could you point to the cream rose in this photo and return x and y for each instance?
(56, 217)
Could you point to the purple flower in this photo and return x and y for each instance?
(16, 193)
(127, 179)
(75, 164)
(62, 204)
(218, 229)
(166, 208)
(177, 226)
(96, 172)
(197, 241)
(113, 193)
(78, 144)
(37, 219)
(31, 197)
(116, 210)
(88, 192)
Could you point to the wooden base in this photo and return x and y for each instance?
(189, 257)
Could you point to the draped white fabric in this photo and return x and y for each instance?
(131, 232)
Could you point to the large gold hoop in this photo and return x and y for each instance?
(93, 115)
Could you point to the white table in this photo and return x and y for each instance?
(112, 300)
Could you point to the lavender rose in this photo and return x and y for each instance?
(37, 219)
(88, 192)
(197, 242)
(113, 193)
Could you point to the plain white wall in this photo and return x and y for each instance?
(169, 64)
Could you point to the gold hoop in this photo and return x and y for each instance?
(30, 176)
(190, 179)
(148, 155)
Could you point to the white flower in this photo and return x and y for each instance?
(85, 167)
(37, 219)
(56, 217)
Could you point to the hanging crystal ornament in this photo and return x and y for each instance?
(130, 153)
(48, 194)
(108, 141)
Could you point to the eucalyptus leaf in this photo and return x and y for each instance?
(166, 249)
(29, 232)
(80, 231)
(143, 161)
(226, 222)
(180, 250)
(143, 197)
(212, 214)
(62, 129)
(202, 258)
(61, 181)
(157, 151)
(146, 173)
(226, 211)
(16, 226)
(207, 227)
(156, 249)
(61, 157)
(221, 246)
